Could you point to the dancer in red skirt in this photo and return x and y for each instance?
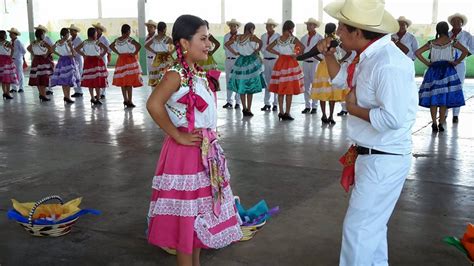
(127, 69)
(287, 76)
(192, 205)
(42, 64)
(8, 72)
(95, 73)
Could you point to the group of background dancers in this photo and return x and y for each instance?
(277, 72)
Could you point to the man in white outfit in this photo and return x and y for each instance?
(310, 64)
(269, 60)
(49, 90)
(466, 39)
(76, 41)
(382, 105)
(100, 36)
(229, 62)
(404, 40)
(150, 56)
(19, 52)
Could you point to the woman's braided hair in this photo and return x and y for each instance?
(184, 28)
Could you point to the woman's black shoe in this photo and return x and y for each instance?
(95, 102)
(280, 116)
(287, 116)
(331, 121)
(324, 120)
(44, 98)
(128, 104)
(440, 128)
(7, 97)
(68, 100)
(434, 127)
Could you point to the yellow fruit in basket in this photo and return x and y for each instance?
(56, 211)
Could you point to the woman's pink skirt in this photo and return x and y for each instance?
(181, 209)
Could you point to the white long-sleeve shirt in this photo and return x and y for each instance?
(310, 43)
(385, 84)
(105, 42)
(266, 42)
(48, 40)
(148, 39)
(228, 53)
(75, 43)
(18, 50)
(466, 39)
(409, 40)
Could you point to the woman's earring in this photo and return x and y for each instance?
(185, 52)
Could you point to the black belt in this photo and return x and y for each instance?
(269, 58)
(150, 57)
(233, 58)
(309, 61)
(366, 151)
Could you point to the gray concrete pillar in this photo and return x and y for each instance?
(287, 4)
(31, 19)
(142, 34)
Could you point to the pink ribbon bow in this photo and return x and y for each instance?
(192, 100)
(213, 74)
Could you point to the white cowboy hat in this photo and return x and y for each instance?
(233, 22)
(271, 22)
(151, 22)
(99, 26)
(313, 21)
(14, 30)
(41, 27)
(404, 19)
(74, 27)
(367, 15)
(458, 15)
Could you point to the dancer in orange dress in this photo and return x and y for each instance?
(127, 70)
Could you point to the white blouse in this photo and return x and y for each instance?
(91, 48)
(39, 48)
(442, 52)
(125, 46)
(246, 47)
(4, 50)
(161, 45)
(285, 47)
(177, 111)
(63, 49)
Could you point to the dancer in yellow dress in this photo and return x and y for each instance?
(322, 88)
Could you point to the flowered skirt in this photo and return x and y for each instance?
(441, 86)
(208, 64)
(127, 72)
(95, 73)
(40, 71)
(181, 213)
(287, 76)
(246, 76)
(159, 66)
(322, 88)
(66, 73)
(8, 73)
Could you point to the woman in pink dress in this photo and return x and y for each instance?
(192, 205)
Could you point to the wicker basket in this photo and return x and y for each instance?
(53, 230)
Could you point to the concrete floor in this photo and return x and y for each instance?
(108, 156)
